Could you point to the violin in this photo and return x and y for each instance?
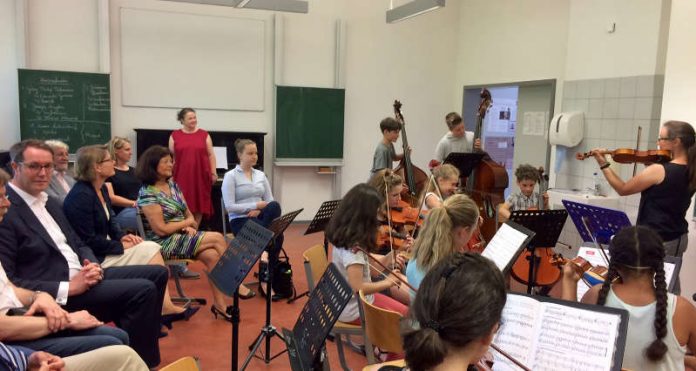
(389, 238)
(592, 275)
(630, 155)
(404, 214)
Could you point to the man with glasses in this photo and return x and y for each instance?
(61, 181)
(40, 251)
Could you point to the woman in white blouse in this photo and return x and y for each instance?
(247, 194)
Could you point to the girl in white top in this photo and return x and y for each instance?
(661, 325)
(353, 230)
(447, 177)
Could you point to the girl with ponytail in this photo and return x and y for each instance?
(456, 313)
(661, 325)
(447, 229)
(446, 176)
(665, 189)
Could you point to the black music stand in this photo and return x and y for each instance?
(234, 265)
(278, 226)
(318, 224)
(465, 162)
(547, 224)
(326, 302)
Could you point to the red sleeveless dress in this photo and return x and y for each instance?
(192, 170)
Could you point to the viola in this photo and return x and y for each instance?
(404, 214)
(593, 275)
(630, 155)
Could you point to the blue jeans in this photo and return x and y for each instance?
(127, 219)
(265, 218)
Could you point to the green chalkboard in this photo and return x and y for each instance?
(309, 123)
(73, 107)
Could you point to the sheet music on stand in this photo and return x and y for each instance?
(317, 318)
(241, 255)
(465, 162)
(672, 267)
(602, 222)
(550, 334)
(507, 244)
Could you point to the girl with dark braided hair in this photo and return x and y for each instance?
(661, 325)
(665, 189)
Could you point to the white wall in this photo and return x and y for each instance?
(632, 50)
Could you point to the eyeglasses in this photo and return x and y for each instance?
(661, 138)
(35, 167)
(106, 160)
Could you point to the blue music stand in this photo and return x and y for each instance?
(234, 265)
(596, 224)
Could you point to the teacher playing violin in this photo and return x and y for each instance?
(666, 188)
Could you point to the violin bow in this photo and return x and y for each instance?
(511, 358)
(431, 180)
(389, 223)
(385, 268)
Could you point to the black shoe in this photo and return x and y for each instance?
(248, 296)
(167, 319)
(163, 334)
(226, 314)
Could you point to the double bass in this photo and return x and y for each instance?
(488, 181)
(415, 177)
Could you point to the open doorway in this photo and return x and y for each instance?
(515, 126)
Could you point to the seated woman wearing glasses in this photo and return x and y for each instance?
(169, 222)
(88, 209)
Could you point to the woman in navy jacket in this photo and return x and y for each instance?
(88, 208)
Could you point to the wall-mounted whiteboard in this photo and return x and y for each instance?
(186, 60)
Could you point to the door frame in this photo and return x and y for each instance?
(552, 103)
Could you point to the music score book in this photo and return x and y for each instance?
(506, 245)
(551, 334)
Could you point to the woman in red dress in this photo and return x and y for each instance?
(194, 163)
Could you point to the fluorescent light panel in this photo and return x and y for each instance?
(412, 9)
(294, 6)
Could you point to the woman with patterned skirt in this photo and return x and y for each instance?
(169, 222)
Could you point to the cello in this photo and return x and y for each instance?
(488, 180)
(545, 271)
(415, 177)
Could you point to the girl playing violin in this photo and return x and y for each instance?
(527, 178)
(352, 230)
(447, 177)
(447, 230)
(661, 325)
(455, 323)
(389, 186)
(665, 189)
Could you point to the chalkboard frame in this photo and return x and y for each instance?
(78, 120)
(309, 124)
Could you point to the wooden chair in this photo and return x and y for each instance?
(377, 366)
(182, 364)
(174, 265)
(381, 327)
(315, 263)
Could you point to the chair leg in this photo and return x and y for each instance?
(182, 298)
(341, 356)
(369, 351)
